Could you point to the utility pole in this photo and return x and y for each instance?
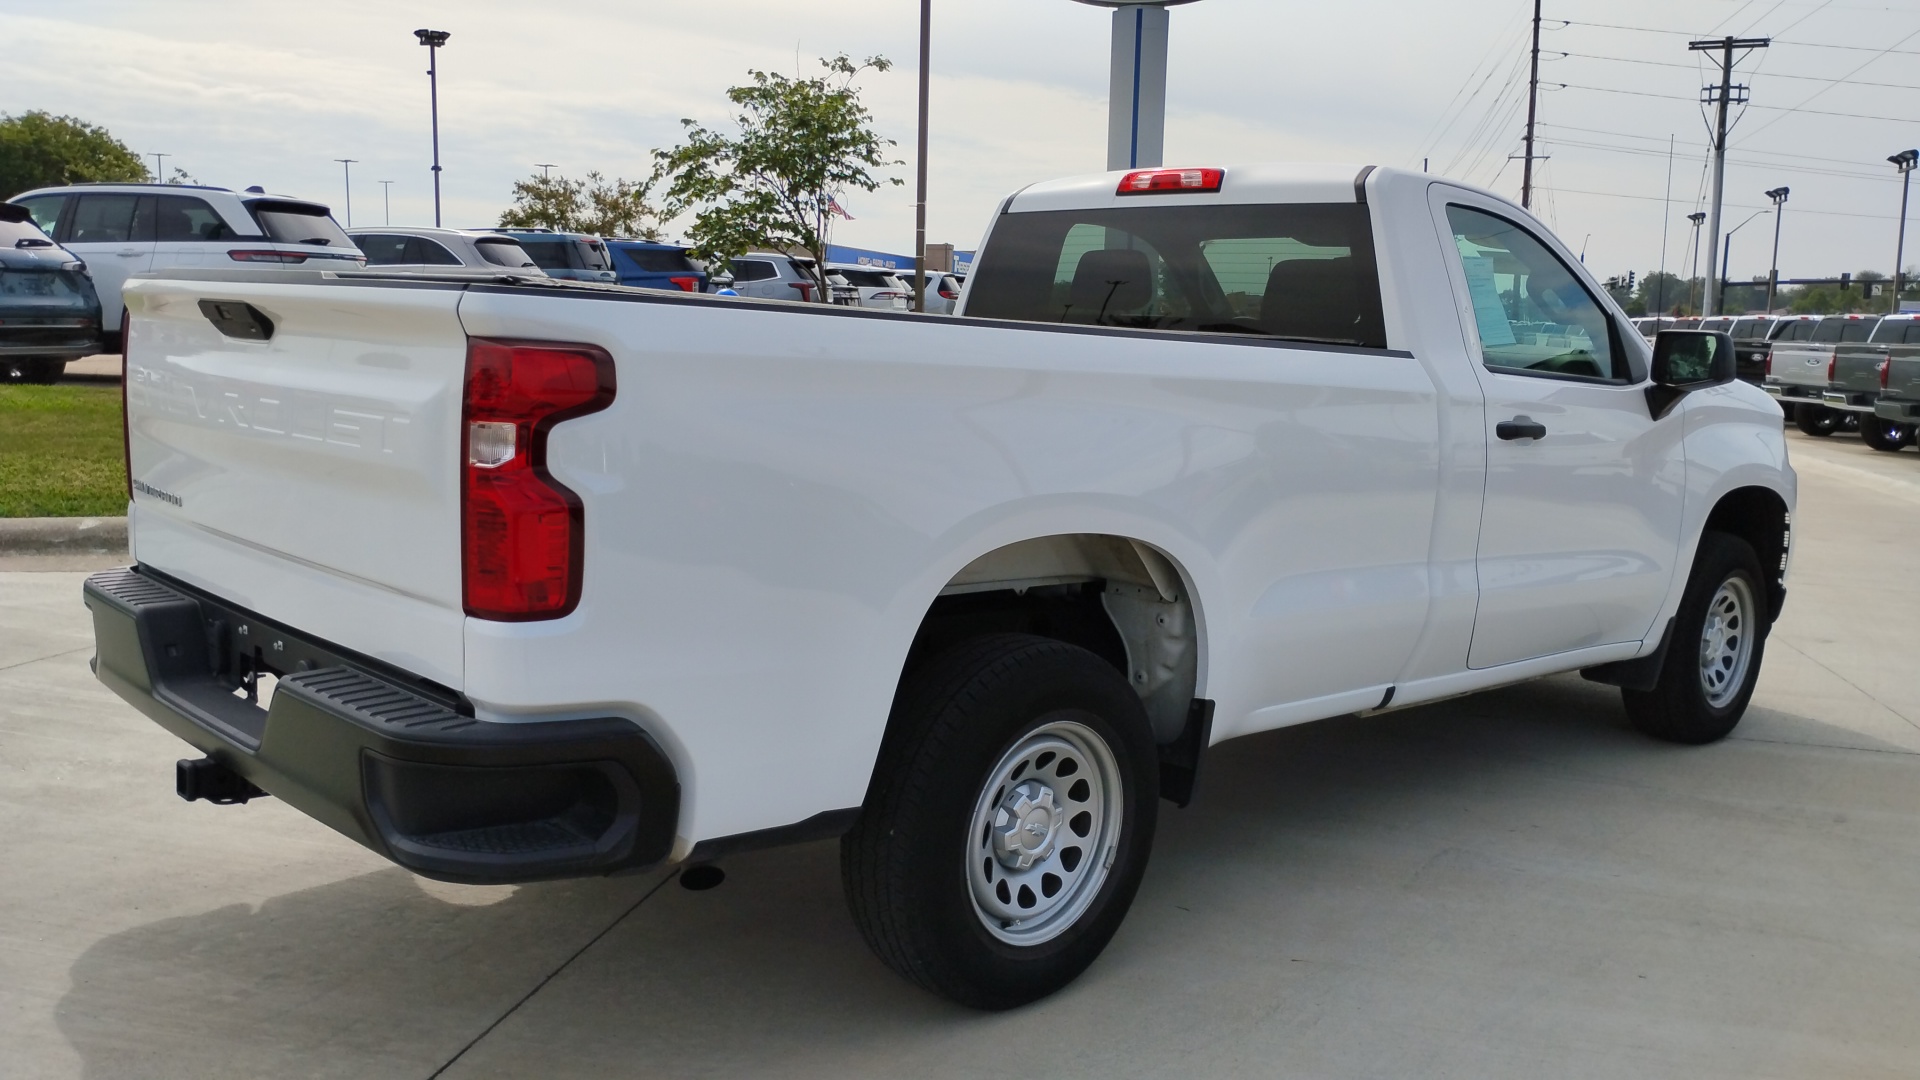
(1722, 96)
(346, 169)
(1779, 197)
(920, 189)
(1904, 161)
(543, 166)
(1533, 101)
(386, 197)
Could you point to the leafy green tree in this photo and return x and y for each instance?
(1661, 293)
(594, 205)
(38, 149)
(775, 184)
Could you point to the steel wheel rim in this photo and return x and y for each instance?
(1726, 642)
(1044, 831)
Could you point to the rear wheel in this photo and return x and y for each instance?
(1816, 420)
(1884, 434)
(1008, 823)
(1713, 650)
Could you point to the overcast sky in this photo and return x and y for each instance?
(269, 92)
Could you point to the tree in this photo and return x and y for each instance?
(593, 205)
(41, 150)
(776, 184)
(1662, 293)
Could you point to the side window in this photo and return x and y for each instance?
(103, 219)
(46, 211)
(753, 270)
(1534, 316)
(382, 249)
(1913, 333)
(182, 217)
(426, 252)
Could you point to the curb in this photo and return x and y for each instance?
(63, 536)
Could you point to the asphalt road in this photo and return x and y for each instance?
(1508, 885)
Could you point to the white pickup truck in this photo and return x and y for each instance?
(554, 579)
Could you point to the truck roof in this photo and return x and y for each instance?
(1250, 182)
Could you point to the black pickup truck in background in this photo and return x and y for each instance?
(1749, 334)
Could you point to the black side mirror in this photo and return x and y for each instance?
(1685, 361)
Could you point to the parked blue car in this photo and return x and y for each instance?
(573, 256)
(649, 265)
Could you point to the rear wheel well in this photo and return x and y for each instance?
(1117, 598)
(1759, 516)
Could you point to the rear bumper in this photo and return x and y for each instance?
(1787, 392)
(62, 348)
(1905, 412)
(392, 762)
(1848, 402)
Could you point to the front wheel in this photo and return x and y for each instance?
(1816, 420)
(1713, 649)
(1887, 435)
(1008, 823)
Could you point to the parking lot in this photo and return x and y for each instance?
(1511, 884)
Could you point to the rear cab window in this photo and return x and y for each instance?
(1893, 331)
(1300, 272)
(298, 223)
(1844, 330)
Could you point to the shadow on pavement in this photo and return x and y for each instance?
(1510, 884)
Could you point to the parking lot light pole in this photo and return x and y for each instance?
(346, 169)
(1726, 256)
(1779, 197)
(433, 39)
(1696, 218)
(920, 190)
(1903, 161)
(386, 197)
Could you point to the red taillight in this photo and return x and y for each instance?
(686, 284)
(521, 531)
(1885, 363)
(1161, 181)
(805, 287)
(948, 294)
(269, 256)
(1832, 362)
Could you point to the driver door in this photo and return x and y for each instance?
(1580, 529)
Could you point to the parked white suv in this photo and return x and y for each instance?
(873, 287)
(120, 230)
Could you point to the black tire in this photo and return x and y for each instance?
(908, 864)
(1786, 411)
(32, 370)
(1816, 420)
(1888, 435)
(1680, 707)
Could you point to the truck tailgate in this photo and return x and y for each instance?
(313, 476)
(1801, 363)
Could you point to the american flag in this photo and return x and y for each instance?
(834, 207)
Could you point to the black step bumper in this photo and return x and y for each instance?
(391, 761)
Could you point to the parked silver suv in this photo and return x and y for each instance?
(771, 276)
(419, 250)
(120, 230)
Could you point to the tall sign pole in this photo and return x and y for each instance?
(920, 189)
(1137, 86)
(1722, 96)
(1533, 101)
(1904, 161)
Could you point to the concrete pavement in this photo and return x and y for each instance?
(1509, 885)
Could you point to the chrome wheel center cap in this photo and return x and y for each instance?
(1025, 825)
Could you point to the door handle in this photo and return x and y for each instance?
(128, 254)
(1520, 427)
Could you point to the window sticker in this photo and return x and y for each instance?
(1487, 309)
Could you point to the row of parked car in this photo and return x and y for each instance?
(65, 253)
(1829, 372)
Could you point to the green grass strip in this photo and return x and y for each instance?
(60, 452)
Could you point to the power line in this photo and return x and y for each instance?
(1770, 74)
(1702, 146)
(1776, 41)
(1863, 66)
(1735, 206)
(1767, 165)
(1772, 108)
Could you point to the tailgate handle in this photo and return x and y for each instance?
(237, 319)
